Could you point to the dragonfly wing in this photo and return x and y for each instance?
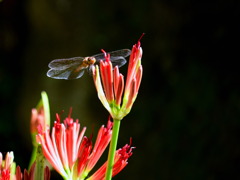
(122, 52)
(66, 68)
(76, 74)
(117, 57)
(118, 61)
(64, 74)
(61, 64)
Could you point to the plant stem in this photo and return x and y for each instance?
(33, 156)
(112, 149)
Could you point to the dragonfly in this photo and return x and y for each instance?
(74, 68)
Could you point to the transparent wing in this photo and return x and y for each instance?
(66, 68)
(65, 74)
(116, 57)
(122, 52)
(118, 61)
(61, 64)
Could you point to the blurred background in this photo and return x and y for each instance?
(185, 123)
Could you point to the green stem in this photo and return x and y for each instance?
(112, 149)
(33, 156)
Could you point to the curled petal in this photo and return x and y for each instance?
(107, 79)
(134, 63)
(139, 77)
(83, 155)
(102, 141)
(49, 152)
(98, 84)
(132, 94)
(18, 173)
(120, 161)
(118, 85)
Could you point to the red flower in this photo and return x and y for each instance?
(71, 153)
(61, 149)
(5, 166)
(110, 84)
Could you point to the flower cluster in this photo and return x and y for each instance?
(73, 155)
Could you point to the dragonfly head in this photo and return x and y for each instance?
(90, 60)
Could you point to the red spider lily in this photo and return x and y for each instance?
(70, 152)
(6, 166)
(110, 86)
(61, 149)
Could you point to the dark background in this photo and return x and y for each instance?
(185, 122)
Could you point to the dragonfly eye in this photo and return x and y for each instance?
(91, 60)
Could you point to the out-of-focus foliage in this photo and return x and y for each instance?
(186, 120)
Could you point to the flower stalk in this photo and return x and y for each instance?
(110, 88)
(112, 149)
